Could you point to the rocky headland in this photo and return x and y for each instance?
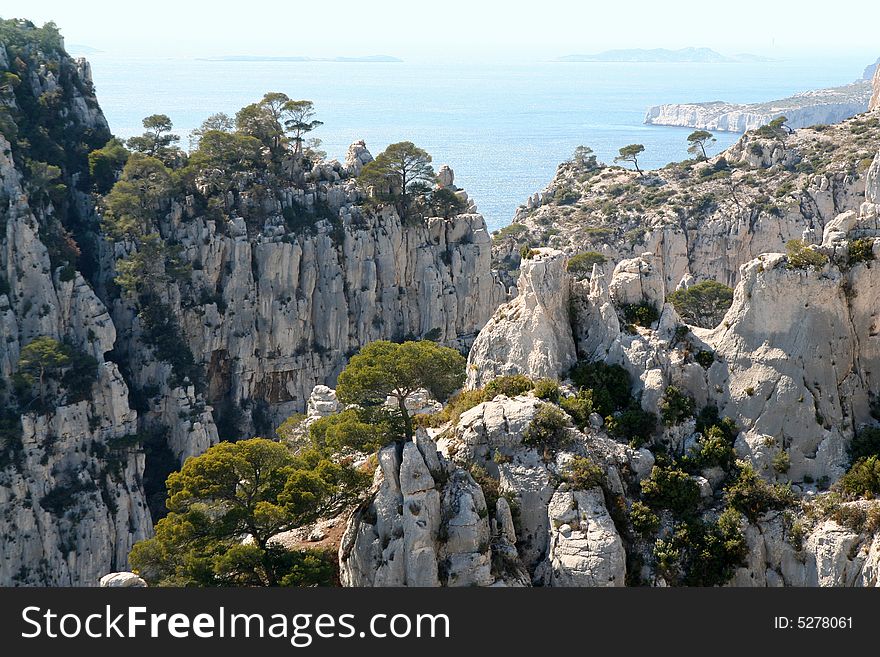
(819, 107)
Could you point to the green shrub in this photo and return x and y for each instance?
(547, 429)
(581, 265)
(709, 418)
(360, 429)
(510, 386)
(705, 358)
(861, 250)
(582, 474)
(716, 550)
(800, 256)
(579, 407)
(611, 385)
(547, 389)
(513, 230)
(782, 462)
(671, 488)
(703, 304)
(565, 196)
(106, 163)
(459, 403)
(715, 450)
(752, 496)
(865, 443)
(491, 486)
(676, 406)
(644, 521)
(632, 425)
(527, 252)
(702, 553)
(641, 314)
(863, 478)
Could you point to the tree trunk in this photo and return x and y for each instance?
(407, 420)
(271, 580)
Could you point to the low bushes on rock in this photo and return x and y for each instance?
(671, 488)
(863, 478)
(582, 473)
(676, 406)
(752, 496)
(800, 256)
(548, 428)
(510, 386)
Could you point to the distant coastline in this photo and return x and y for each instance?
(368, 59)
(663, 55)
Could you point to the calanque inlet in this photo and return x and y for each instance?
(649, 378)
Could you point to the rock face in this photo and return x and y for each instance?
(700, 220)
(530, 335)
(395, 539)
(819, 107)
(830, 554)
(585, 548)
(291, 308)
(283, 288)
(70, 476)
(798, 361)
(560, 537)
(874, 103)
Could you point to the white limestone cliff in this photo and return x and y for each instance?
(810, 108)
(531, 334)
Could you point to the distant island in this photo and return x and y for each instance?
(663, 55)
(369, 59)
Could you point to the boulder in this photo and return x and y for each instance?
(121, 580)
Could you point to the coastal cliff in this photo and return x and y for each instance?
(105, 393)
(606, 434)
(820, 107)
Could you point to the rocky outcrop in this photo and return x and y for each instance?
(700, 219)
(426, 524)
(829, 554)
(819, 107)
(585, 548)
(530, 335)
(556, 537)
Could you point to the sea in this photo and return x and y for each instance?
(502, 127)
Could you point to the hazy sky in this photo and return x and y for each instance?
(459, 28)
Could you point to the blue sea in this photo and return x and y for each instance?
(503, 128)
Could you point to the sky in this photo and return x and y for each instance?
(451, 29)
